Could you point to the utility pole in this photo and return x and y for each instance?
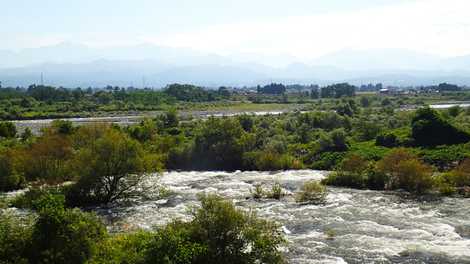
(143, 82)
(42, 79)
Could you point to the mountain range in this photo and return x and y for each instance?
(74, 65)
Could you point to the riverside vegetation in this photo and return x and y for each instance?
(364, 142)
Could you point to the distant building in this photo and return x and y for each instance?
(384, 91)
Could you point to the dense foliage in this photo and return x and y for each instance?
(430, 129)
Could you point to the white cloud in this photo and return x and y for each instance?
(434, 26)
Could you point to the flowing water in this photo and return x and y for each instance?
(37, 125)
(353, 226)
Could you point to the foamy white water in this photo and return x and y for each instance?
(354, 226)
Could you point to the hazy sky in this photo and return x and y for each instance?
(304, 28)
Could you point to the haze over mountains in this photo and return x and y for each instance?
(73, 65)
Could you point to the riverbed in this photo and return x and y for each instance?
(37, 125)
(353, 226)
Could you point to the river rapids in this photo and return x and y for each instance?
(353, 226)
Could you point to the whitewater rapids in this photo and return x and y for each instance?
(354, 226)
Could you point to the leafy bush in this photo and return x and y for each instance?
(368, 150)
(219, 145)
(336, 140)
(430, 129)
(15, 239)
(311, 192)
(11, 178)
(460, 176)
(64, 236)
(47, 159)
(388, 140)
(110, 170)
(350, 173)
(174, 244)
(28, 199)
(454, 110)
(7, 130)
(406, 171)
(328, 160)
(64, 127)
(354, 163)
(270, 161)
(376, 180)
(399, 169)
(218, 233)
(445, 157)
(123, 248)
(445, 184)
(346, 179)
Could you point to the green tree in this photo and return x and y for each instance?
(110, 169)
(169, 119)
(336, 140)
(365, 102)
(430, 129)
(64, 235)
(15, 239)
(218, 233)
(64, 127)
(47, 159)
(7, 130)
(11, 177)
(219, 145)
(405, 171)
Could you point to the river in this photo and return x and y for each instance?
(37, 125)
(354, 226)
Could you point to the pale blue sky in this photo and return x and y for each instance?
(256, 24)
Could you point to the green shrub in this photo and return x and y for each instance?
(335, 140)
(350, 173)
(47, 159)
(445, 157)
(64, 127)
(311, 192)
(7, 130)
(219, 145)
(175, 244)
(276, 192)
(258, 192)
(388, 140)
(109, 171)
(460, 176)
(376, 180)
(328, 160)
(233, 236)
(11, 178)
(445, 185)
(123, 248)
(406, 171)
(429, 128)
(28, 199)
(346, 179)
(64, 236)
(15, 239)
(270, 161)
(368, 150)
